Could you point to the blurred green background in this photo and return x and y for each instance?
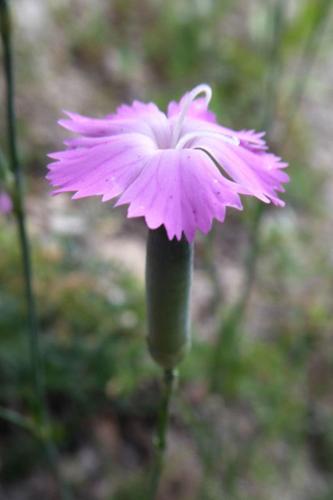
(254, 421)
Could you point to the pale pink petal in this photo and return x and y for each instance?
(249, 138)
(6, 204)
(258, 172)
(180, 170)
(101, 127)
(140, 118)
(182, 190)
(198, 109)
(104, 170)
(136, 110)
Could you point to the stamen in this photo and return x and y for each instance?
(216, 163)
(191, 96)
(231, 139)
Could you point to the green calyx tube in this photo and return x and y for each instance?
(168, 284)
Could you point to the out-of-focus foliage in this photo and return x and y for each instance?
(267, 433)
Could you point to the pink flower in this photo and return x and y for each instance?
(179, 169)
(5, 203)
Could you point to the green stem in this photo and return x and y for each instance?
(160, 444)
(168, 284)
(226, 348)
(275, 32)
(19, 211)
(41, 434)
(6, 176)
(307, 60)
(274, 58)
(40, 406)
(17, 419)
(211, 264)
(230, 323)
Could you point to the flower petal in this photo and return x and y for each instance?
(182, 190)
(259, 173)
(105, 169)
(101, 127)
(6, 204)
(181, 170)
(198, 109)
(136, 110)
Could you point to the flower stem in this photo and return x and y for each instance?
(226, 348)
(160, 442)
(231, 322)
(19, 210)
(168, 284)
(15, 418)
(321, 20)
(39, 404)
